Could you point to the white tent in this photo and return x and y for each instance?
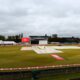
(7, 43)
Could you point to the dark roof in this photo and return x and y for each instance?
(38, 37)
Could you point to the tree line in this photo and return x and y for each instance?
(64, 39)
(16, 38)
(55, 38)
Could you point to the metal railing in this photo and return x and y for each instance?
(36, 74)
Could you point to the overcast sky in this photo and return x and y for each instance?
(40, 17)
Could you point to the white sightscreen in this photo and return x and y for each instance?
(43, 42)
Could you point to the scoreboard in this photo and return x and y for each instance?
(26, 39)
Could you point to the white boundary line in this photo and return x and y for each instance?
(40, 67)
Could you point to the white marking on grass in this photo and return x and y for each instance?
(26, 48)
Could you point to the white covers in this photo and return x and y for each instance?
(44, 50)
(49, 49)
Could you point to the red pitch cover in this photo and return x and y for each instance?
(57, 57)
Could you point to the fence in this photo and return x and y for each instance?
(37, 74)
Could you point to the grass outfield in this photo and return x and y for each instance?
(11, 56)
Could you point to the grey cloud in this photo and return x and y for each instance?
(40, 17)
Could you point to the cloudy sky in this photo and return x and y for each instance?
(40, 17)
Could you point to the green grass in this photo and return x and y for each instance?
(11, 56)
